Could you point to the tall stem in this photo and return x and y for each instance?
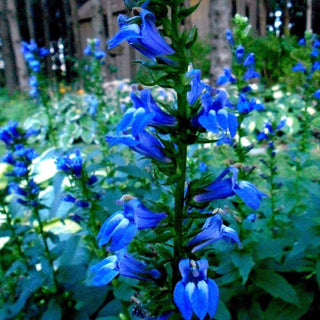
(46, 247)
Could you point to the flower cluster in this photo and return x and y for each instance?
(32, 54)
(315, 65)
(163, 131)
(19, 157)
(93, 49)
(120, 229)
(73, 166)
(142, 34)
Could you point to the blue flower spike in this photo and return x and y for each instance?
(222, 188)
(124, 264)
(195, 292)
(145, 37)
(212, 231)
(121, 227)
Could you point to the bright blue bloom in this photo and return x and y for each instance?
(213, 116)
(87, 50)
(93, 103)
(226, 77)
(314, 53)
(15, 188)
(34, 65)
(144, 143)
(144, 112)
(239, 53)
(99, 54)
(122, 264)
(246, 106)
(19, 170)
(229, 37)
(203, 167)
(212, 231)
(251, 73)
(82, 203)
(302, 42)
(316, 66)
(197, 86)
(145, 38)
(122, 226)
(43, 52)
(269, 130)
(33, 81)
(316, 43)
(92, 180)
(317, 94)
(9, 133)
(222, 188)
(299, 67)
(252, 217)
(71, 165)
(249, 60)
(69, 198)
(8, 158)
(195, 292)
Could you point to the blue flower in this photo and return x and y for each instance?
(196, 293)
(212, 231)
(229, 37)
(302, 42)
(144, 112)
(226, 77)
(99, 54)
(246, 106)
(315, 66)
(299, 67)
(34, 65)
(214, 117)
(9, 133)
(122, 226)
(222, 188)
(270, 130)
(93, 103)
(314, 53)
(251, 73)
(71, 165)
(43, 52)
(252, 217)
(317, 94)
(249, 60)
(197, 86)
(144, 143)
(145, 38)
(239, 53)
(203, 167)
(122, 264)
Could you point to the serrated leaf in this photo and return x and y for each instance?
(276, 285)
(244, 263)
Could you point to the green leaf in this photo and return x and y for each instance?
(244, 263)
(186, 12)
(53, 312)
(276, 285)
(318, 272)
(222, 312)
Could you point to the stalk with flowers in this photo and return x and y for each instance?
(163, 133)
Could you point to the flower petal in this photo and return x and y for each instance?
(181, 300)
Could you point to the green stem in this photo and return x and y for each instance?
(46, 248)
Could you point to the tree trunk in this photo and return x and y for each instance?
(7, 52)
(262, 18)
(16, 44)
(29, 14)
(220, 18)
(309, 15)
(76, 29)
(241, 7)
(46, 34)
(286, 19)
(98, 28)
